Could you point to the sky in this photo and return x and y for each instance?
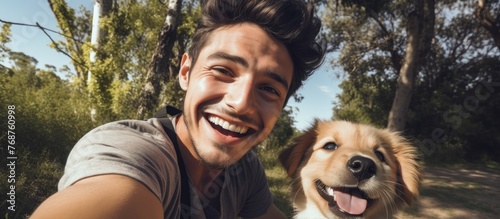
(319, 91)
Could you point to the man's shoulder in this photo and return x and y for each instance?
(131, 130)
(146, 126)
(133, 148)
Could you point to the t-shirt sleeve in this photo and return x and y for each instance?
(259, 197)
(132, 148)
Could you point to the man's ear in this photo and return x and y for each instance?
(184, 71)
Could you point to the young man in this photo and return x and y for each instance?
(248, 57)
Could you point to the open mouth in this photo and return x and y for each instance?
(345, 202)
(226, 128)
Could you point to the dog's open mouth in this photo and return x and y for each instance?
(344, 201)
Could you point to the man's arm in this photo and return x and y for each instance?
(104, 196)
(272, 213)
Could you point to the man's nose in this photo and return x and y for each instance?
(241, 96)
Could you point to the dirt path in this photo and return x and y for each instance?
(460, 193)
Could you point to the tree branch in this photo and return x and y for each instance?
(58, 48)
(42, 28)
(45, 30)
(396, 58)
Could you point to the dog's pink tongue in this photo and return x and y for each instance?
(351, 203)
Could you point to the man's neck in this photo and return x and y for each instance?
(202, 176)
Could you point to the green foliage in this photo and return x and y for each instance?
(4, 39)
(459, 116)
(50, 116)
(76, 29)
(123, 98)
(366, 99)
(282, 131)
(173, 95)
(123, 56)
(36, 178)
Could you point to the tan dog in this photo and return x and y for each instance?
(345, 170)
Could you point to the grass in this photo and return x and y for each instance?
(278, 181)
(36, 178)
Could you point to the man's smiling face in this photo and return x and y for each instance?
(234, 93)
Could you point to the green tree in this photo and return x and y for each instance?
(461, 59)
(172, 93)
(134, 30)
(282, 131)
(159, 66)
(76, 30)
(380, 20)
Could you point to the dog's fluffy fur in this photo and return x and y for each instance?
(369, 172)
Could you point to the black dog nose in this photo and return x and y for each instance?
(362, 167)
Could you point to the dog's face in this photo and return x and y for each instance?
(345, 170)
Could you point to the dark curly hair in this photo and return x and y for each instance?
(292, 22)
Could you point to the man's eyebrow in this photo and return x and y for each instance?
(279, 78)
(232, 58)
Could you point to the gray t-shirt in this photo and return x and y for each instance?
(142, 150)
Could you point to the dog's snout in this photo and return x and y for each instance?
(362, 167)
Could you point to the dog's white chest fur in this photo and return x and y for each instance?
(310, 213)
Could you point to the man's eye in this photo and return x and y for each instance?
(271, 90)
(221, 70)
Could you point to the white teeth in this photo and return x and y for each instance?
(226, 125)
(330, 191)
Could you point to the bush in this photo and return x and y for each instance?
(50, 116)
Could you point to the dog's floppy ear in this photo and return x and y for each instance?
(409, 172)
(293, 155)
(289, 165)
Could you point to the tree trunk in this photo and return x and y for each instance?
(158, 69)
(486, 20)
(101, 9)
(420, 32)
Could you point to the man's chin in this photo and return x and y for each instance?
(218, 164)
(218, 160)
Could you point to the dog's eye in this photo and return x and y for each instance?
(380, 156)
(330, 146)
